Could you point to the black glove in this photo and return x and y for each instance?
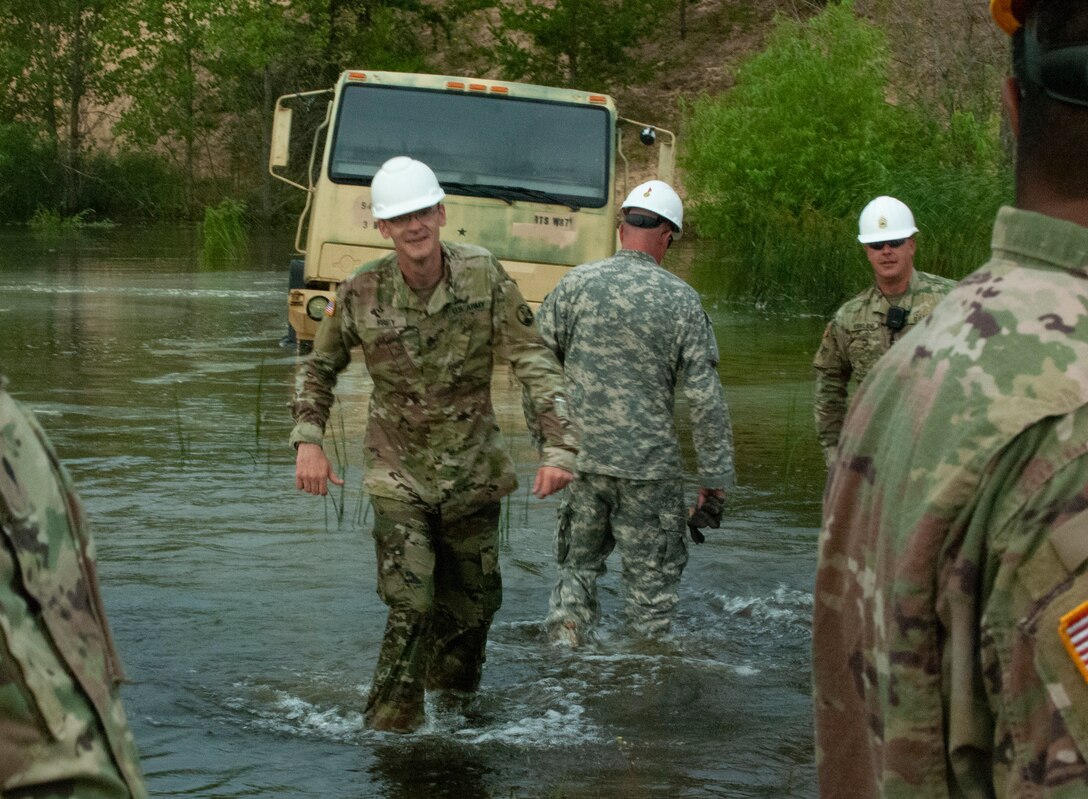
(709, 514)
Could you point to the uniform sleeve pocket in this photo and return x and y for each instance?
(1058, 613)
(27, 694)
(1061, 655)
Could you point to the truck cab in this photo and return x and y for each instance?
(529, 172)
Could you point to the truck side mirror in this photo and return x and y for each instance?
(281, 137)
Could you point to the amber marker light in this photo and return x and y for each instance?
(357, 75)
(598, 98)
(455, 84)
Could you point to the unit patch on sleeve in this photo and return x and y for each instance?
(525, 314)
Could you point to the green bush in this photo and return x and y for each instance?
(779, 168)
(29, 175)
(126, 185)
(132, 184)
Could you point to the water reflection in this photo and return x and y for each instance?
(409, 770)
(246, 612)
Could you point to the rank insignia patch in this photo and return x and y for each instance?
(1073, 629)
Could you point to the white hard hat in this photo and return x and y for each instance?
(885, 219)
(403, 185)
(658, 197)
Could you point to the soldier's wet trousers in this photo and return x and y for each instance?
(645, 520)
(440, 579)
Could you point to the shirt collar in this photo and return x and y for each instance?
(639, 255)
(1034, 239)
(404, 297)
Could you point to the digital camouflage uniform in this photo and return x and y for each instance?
(955, 538)
(435, 466)
(853, 341)
(629, 334)
(63, 731)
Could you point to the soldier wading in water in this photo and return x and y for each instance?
(632, 336)
(431, 319)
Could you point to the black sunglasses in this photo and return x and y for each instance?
(895, 244)
(638, 219)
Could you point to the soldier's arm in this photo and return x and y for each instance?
(315, 383)
(537, 369)
(832, 380)
(547, 325)
(711, 427)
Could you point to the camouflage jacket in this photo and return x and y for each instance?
(853, 341)
(50, 611)
(955, 542)
(628, 334)
(432, 437)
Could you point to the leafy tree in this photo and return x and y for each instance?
(261, 50)
(162, 72)
(573, 42)
(55, 66)
(203, 75)
(780, 167)
(378, 35)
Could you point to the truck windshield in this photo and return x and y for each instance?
(477, 145)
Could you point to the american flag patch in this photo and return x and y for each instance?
(330, 309)
(1073, 629)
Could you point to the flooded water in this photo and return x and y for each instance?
(245, 611)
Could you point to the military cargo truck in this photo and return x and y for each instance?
(532, 173)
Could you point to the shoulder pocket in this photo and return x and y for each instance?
(1056, 628)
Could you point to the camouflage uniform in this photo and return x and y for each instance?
(434, 462)
(628, 334)
(853, 341)
(63, 730)
(955, 538)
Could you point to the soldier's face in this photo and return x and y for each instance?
(892, 266)
(415, 235)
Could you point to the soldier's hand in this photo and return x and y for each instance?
(313, 471)
(550, 479)
(706, 513)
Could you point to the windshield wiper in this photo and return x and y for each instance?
(479, 191)
(509, 193)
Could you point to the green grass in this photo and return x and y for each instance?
(224, 231)
(51, 221)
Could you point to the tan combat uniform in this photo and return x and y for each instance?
(62, 727)
(434, 461)
(954, 550)
(853, 341)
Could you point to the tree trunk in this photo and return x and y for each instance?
(73, 172)
(267, 107)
